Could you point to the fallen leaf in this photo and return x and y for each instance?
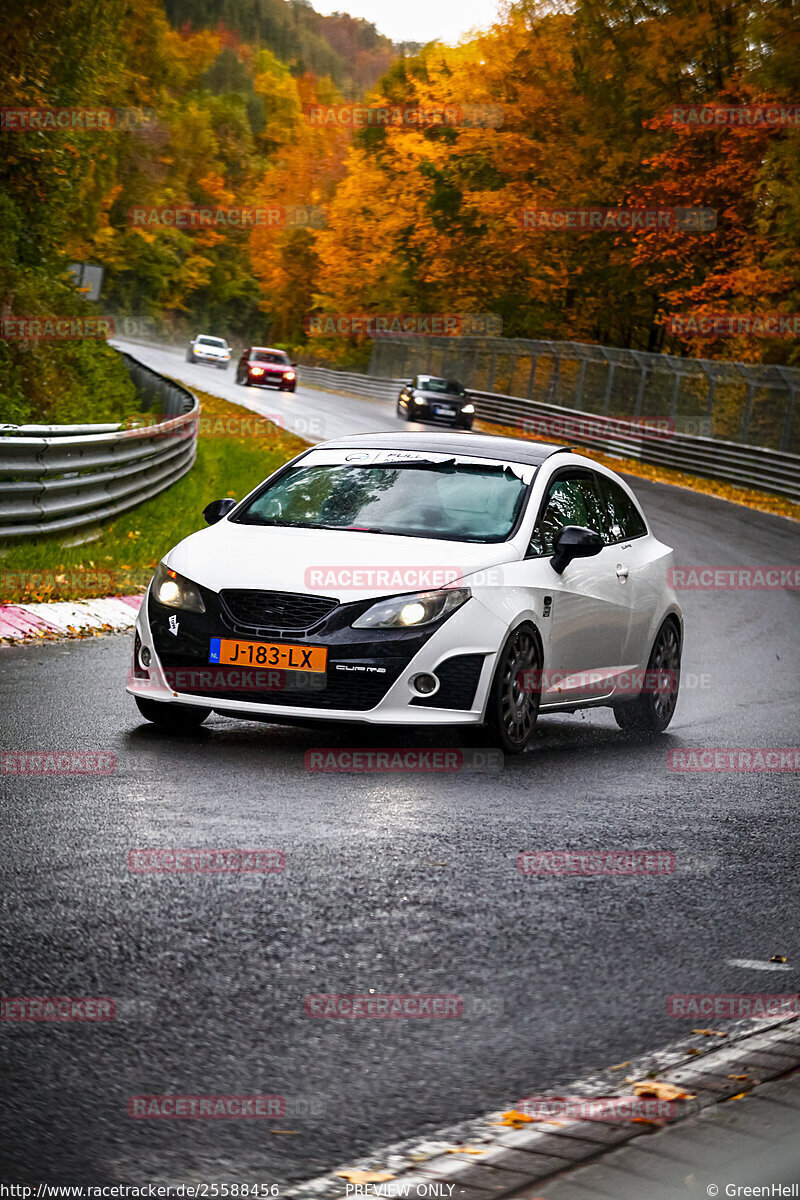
(515, 1119)
(660, 1090)
(778, 958)
(738, 1077)
(647, 1121)
(619, 1066)
(293, 1132)
(354, 1176)
(710, 1032)
(741, 1096)
(464, 1150)
(694, 1051)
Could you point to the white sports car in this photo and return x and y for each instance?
(416, 579)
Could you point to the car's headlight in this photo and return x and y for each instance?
(419, 399)
(405, 612)
(175, 591)
(468, 408)
(288, 374)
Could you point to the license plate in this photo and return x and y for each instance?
(268, 654)
(445, 412)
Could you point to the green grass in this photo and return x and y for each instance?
(235, 451)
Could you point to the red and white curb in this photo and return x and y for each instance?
(482, 1157)
(67, 619)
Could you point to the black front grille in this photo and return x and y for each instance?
(289, 612)
(458, 678)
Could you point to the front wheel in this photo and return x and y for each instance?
(178, 717)
(514, 698)
(222, 366)
(402, 414)
(651, 711)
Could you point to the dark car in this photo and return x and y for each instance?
(430, 398)
(260, 366)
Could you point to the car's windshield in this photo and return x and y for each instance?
(427, 383)
(458, 502)
(268, 356)
(209, 341)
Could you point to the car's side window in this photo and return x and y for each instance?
(622, 519)
(572, 499)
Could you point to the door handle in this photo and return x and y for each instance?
(622, 572)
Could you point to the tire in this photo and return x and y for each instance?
(401, 414)
(289, 389)
(512, 712)
(189, 356)
(652, 710)
(222, 366)
(177, 717)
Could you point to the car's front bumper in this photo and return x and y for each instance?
(368, 677)
(427, 412)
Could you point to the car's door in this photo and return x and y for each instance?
(639, 563)
(589, 610)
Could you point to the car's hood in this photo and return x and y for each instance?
(441, 397)
(253, 362)
(343, 565)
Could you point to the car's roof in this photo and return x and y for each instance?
(269, 350)
(477, 445)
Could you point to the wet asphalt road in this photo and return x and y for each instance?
(402, 883)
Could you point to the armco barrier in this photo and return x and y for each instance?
(744, 465)
(55, 478)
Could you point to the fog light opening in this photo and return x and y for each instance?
(145, 657)
(424, 684)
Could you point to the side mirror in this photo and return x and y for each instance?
(294, 364)
(574, 541)
(409, 383)
(218, 509)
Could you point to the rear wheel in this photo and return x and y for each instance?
(513, 703)
(177, 717)
(651, 711)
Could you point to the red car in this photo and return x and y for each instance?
(260, 366)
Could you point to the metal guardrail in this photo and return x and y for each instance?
(754, 404)
(746, 466)
(65, 480)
